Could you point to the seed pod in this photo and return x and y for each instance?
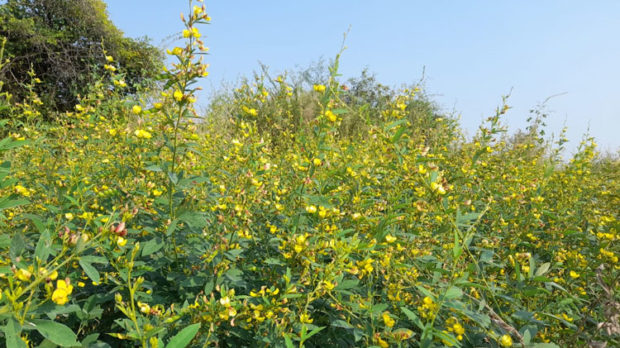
(119, 228)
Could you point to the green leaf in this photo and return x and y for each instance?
(9, 143)
(154, 168)
(347, 284)
(36, 220)
(341, 323)
(5, 169)
(184, 337)
(413, 317)
(95, 259)
(6, 203)
(313, 332)
(433, 176)
(194, 219)
(380, 307)
(425, 291)
(90, 339)
(527, 337)
(56, 332)
(5, 241)
(174, 179)
(543, 269)
(47, 344)
(456, 249)
(18, 245)
(446, 337)
(12, 331)
(90, 271)
(398, 134)
(318, 200)
(453, 292)
(42, 251)
(272, 262)
(152, 246)
(288, 341)
(234, 274)
(172, 227)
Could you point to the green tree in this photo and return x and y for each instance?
(64, 42)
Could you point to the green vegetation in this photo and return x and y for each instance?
(296, 212)
(63, 44)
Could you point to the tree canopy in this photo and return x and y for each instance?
(64, 42)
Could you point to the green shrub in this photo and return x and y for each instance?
(289, 216)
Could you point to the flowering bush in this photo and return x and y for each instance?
(273, 222)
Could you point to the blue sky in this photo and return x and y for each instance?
(473, 52)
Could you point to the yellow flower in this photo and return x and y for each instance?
(22, 190)
(157, 193)
(331, 116)
(438, 187)
(298, 248)
(142, 134)
(178, 95)
(193, 32)
(458, 329)
(311, 209)
(505, 341)
(63, 290)
(109, 59)
(317, 162)
(225, 301)
(319, 88)
(23, 275)
(144, 307)
(69, 216)
(389, 322)
(566, 317)
(382, 343)
(305, 319)
(573, 274)
(250, 111)
(86, 215)
(136, 109)
(390, 239)
(120, 241)
(328, 285)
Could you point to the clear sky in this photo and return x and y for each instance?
(473, 52)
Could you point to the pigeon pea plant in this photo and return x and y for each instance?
(297, 216)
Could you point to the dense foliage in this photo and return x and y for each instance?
(290, 216)
(64, 44)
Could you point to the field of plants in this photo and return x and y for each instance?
(289, 214)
